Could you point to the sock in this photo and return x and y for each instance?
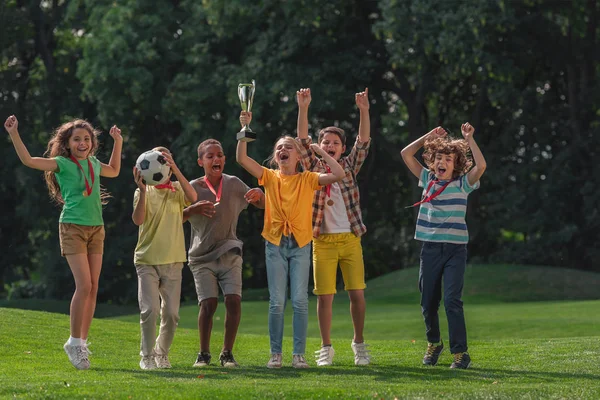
(74, 341)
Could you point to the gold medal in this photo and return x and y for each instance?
(330, 202)
(85, 193)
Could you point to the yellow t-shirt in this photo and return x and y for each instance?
(160, 237)
(288, 205)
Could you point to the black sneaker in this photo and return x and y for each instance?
(227, 359)
(203, 359)
(461, 361)
(433, 353)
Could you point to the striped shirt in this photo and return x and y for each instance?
(443, 218)
(348, 186)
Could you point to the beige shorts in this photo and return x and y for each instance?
(80, 239)
(226, 272)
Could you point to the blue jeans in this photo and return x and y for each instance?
(443, 262)
(288, 258)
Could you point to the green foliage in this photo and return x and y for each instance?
(523, 73)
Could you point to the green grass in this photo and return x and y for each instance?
(529, 350)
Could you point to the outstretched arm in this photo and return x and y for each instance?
(480, 165)
(190, 193)
(41, 163)
(112, 169)
(364, 126)
(337, 172)
(241, 153)
(408, 153)
(304, 98)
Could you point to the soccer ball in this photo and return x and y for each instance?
(153, 166)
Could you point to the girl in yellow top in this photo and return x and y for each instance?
(288, 233)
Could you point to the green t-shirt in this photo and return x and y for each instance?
(78, 209)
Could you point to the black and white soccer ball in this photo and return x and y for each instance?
(153, 167)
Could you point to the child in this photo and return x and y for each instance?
(338, 227)
(442, 228)
(287, 231)
(159, 258)
(72, 175)
(215, 254)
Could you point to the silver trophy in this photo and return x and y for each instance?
(246, 95)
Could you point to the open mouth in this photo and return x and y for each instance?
(441, 171)
(283, 157)
(331, 153)
(216, 168)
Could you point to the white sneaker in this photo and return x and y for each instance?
(361, 353)
(298, 361)
(148, 362)
(162, 361)
(78, 355)
(324, 356)
(275, 361)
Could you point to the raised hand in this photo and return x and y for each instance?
(254, 196)
(467, 131)
(362, 99)
(139, 181)
(438, 132)
(317, 149)
(11, 124)
(303, 97)
(170, 162)
(203, 207)
(245, 118)
(115, 133)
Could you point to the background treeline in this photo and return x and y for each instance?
(524, 73)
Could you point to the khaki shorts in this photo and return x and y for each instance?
(80, 239)
(225, 271)
(331, 249)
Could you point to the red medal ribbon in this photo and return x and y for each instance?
(168, 185)
(88, 188)
(212, 189)
(327, 188)
(432, 196)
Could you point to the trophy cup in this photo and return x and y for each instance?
(246, 95)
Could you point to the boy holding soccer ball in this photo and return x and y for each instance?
(159, 257)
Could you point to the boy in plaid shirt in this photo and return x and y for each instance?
(338, 226)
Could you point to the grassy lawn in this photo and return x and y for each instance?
(520, 348)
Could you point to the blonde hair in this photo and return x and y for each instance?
(449, 145)
(288, 139)
(59, 146)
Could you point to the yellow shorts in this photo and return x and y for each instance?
(331, 249)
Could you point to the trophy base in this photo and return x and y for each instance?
(246, 136)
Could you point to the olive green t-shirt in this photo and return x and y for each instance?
(79, 209)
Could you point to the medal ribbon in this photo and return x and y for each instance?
(212, 189)
(327, 188)
(432, 196)
(88, 188)
(168, 185)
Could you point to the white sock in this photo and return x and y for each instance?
(74, 341)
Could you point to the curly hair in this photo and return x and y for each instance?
(59, 146)
(448, 145)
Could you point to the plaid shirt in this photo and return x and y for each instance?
(348, 186)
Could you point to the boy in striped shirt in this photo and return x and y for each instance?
(447, 181)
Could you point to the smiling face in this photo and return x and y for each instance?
(212, 160)
(80, 143)
(443, 165)
(332, 144)
(286, 154)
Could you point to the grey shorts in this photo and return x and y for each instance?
(226, 271)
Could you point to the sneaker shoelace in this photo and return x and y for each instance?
(300, 359)
(87, 349)
(81, 353)
(361, 350)
(458, 358)
(430, 349)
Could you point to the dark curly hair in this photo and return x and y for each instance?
(448, 145)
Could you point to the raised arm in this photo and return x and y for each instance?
(337, 172)
(190, 193)
(408, 153)
(364, 126)
(43, 164)
(112, 169)
(241, 153)
(139, 211)
(480, 165)
(304, 98)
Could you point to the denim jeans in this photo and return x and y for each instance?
(283, 260)
(443, 262)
